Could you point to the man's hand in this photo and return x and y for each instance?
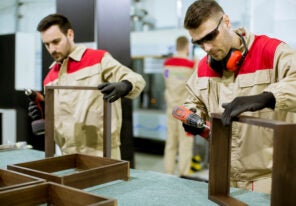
(34, 111)
(192, 130)
(246, 103)
(116, 90)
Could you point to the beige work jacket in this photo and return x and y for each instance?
(252, 146)
(79, 114)
(176, 72)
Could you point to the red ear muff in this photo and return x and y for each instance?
(234, 61)
(231, 62)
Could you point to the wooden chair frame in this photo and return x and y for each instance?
(284, 161)
(49, 120)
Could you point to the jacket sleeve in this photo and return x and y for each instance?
(113, 71)
(194, 99)
(285, 78)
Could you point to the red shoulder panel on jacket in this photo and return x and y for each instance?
(52, 74)
(204, 70)
(174, 61)
(260, 55)
(89, 58)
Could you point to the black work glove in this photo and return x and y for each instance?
(34, 111)
(246, 103)
(192, 130)
(116, 90)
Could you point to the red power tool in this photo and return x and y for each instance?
(38, 126)
(190, 118)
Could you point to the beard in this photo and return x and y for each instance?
(58, 57)
(218, 55)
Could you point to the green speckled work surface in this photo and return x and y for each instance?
(147, 187)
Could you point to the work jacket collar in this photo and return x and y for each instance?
(76, 54)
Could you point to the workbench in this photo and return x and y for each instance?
(146, 187)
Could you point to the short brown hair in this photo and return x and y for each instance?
(54, 19)
(200, 11)
(181, 42)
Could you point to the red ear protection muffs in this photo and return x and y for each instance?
(231, 62)
(234, 60)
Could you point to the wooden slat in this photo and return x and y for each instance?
(11, 179)
(52, 194)
(96, 176)
(52, 164)
(219, 167)
(107, 130)
(49, 122)
(226, 200)
(284, 166)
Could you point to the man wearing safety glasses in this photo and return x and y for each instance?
(241, 73)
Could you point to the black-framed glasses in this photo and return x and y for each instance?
(210, 36)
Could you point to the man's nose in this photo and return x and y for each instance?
(51, 48)
(206, 47)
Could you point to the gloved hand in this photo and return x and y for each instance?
(34, 111)
(192, 130)
(203, 131)
(116, 90)
(246, 103)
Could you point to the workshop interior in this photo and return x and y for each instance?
(140, 34)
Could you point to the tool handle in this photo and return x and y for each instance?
(36, 97)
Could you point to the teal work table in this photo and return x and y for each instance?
(146, 187)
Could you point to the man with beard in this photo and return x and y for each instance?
(79, 114)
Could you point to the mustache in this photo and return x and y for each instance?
(54, 53)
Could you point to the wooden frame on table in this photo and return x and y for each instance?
(51, 193)
(76, 170)
(284, 161)
(11, 179)
(49, 120)
(83, 170)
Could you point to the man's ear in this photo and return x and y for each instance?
(70, 34)
(227, 21)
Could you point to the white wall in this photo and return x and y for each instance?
(23, 15)
(285, 21)
(163, 11)
(7, 16)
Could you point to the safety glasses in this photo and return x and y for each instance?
(210, 36)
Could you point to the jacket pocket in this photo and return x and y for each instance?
(261, 77)
(86, 73)
(254, 83)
